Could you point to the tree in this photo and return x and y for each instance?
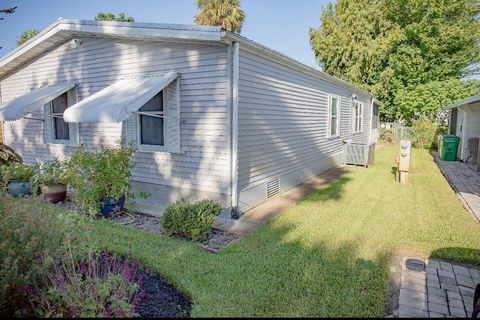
(224, 13)
(398, 48)
(27, 35)
(111, 17)
(7, 11)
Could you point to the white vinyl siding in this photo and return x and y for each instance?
(283, 125)
(333, 116)
(201, 125)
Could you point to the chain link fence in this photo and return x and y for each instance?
(393, 132)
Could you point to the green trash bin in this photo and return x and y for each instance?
(448, 150)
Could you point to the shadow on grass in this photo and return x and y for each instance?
(333, 189)
(471, 256)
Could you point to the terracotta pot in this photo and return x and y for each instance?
(55, 193)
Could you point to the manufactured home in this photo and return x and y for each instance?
(213, 114)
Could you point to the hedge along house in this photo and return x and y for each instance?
(213, 114)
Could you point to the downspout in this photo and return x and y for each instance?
(235, 214)
(370, 122)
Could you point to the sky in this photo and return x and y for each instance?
(279, 24)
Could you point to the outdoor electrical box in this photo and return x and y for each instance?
(404, 160)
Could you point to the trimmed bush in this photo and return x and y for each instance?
(33, 236)
(425, 130)
(191, 220)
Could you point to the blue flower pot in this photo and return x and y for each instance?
(19, 188)
(109, 205)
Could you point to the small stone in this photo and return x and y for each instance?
(436, 307)
(446, 266)
(459, 270)
(443, 273)
(436, 292)
(475, 275)
(448, 280)
(433, 284)
(431, 271)
(432, 264)
(455, 303)
(453, 295)
(432, 277)
(464, 281)
(437, 299)
(457, 312)
(449, 287)
(466, 291)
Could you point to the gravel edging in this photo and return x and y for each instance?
(213, 242)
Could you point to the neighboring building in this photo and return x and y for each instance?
(464, 122)
(213, 114)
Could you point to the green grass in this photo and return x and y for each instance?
(326, 256)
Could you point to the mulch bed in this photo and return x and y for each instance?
(162, 300)
(213, 242)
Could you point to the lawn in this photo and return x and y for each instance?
(326, 256)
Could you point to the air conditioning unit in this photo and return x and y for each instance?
(359, 154)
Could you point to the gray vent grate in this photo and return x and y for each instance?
(273, 188)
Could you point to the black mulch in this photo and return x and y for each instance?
(162, 300)
(213, 242)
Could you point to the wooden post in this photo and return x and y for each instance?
(404, 160)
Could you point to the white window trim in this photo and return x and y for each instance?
(161, 114)
(360, 117)
(329, 133)
(71, 97)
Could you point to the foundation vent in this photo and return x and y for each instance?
(273, 188)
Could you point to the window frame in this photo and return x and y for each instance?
(160, 114)
(329, 126)
(358, 117)
(52, 115)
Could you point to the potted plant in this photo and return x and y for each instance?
(101, 178)
(52, 178)
(16, 177)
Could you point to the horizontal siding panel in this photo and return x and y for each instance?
(99, 62)
(283, 120)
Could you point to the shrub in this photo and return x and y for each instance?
(424, 129)
(101, 173)
(192, 221)
(8, 155)
(49, 173)
(17, 171)
(32, 236)
(99, 286)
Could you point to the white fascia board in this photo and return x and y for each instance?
(264, 51)
(157, 33)
(465, 101)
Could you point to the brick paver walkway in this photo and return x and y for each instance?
(465, 180)
(435, 288)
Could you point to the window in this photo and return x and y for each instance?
(334, 116)
(151, 122)
(358, 117)
(61, 129)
